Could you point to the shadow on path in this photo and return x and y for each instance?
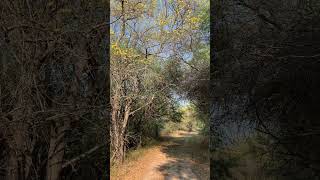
(188, 158)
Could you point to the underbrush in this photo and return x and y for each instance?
(198, 145)
(135, 154)
(241, 161)
(170, 127)
(132, 156)
(184, 125)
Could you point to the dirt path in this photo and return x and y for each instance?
(180, 157)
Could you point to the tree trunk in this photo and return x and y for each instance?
(119, 125)
(56, 150)
(19, 161)
(20, 148)
(12, 167)
(118, 151)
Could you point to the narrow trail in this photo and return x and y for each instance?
(179, 158)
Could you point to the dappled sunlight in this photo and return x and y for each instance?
(159, 49)
(181, 155)
(188, 159)
(178, 169)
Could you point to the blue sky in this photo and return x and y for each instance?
(147, 22)
(182, 101)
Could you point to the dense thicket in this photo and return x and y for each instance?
(150, 42)
(193, 82)
(266, 75)
(53, 89)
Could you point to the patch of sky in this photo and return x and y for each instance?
(180, 99)
(148, 23)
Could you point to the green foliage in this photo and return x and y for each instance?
(148, 42)
(188, 121)
(173, 71)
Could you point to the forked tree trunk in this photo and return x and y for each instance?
(119, 125)
(19, 161)
(118, 146)
(20, 148)
(119, 151)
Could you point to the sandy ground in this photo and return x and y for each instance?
(172, 160)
